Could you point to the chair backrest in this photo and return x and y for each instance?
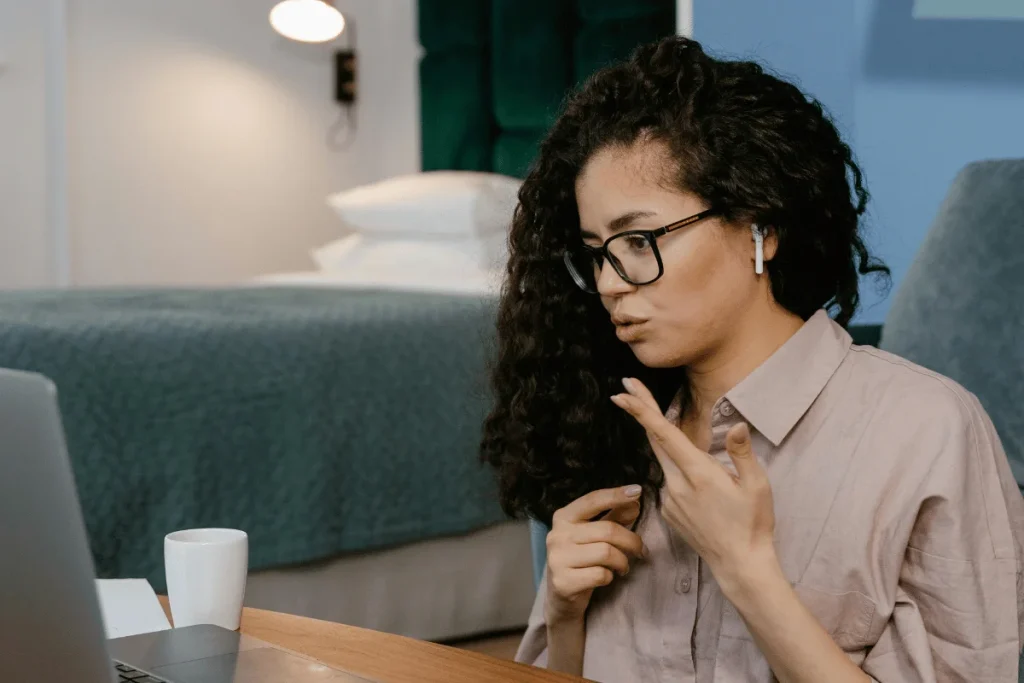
(959, 310)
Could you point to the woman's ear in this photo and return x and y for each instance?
(771, 241)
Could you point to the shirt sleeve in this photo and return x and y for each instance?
(533, 649)
(959, 609)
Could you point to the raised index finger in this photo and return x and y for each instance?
(592, 504)
(684, 455)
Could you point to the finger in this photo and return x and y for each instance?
(588, 506)
(679, 449)
(624, 515)
(573, 581)
(738, 445)
(596, 555)
(609, 532)
(636, 388)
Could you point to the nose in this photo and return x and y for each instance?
(610, 283)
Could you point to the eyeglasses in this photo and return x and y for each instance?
(633, 254)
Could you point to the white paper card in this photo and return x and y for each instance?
(130, 607)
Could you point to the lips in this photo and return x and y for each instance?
(630, 331)
(622, 320)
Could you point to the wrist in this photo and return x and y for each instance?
(751, 577)
(566, 644)
(558, 620)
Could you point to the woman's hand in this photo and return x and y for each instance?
(729, 520)
(585, 554)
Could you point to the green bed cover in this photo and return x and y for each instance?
(319, 421)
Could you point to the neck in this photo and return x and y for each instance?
(759, 335)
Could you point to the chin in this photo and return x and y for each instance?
(654, 355)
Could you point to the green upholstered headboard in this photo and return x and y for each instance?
(495, 72)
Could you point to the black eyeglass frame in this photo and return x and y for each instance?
(652, 239)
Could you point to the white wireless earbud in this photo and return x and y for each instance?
(758, 248)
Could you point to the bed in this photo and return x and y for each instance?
(328, 423)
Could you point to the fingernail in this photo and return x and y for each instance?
(628, 383)
(625, 572)
(617, 400)
(633, 490)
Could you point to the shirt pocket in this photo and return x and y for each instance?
(958, 599)
(847, 617)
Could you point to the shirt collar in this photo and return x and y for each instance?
(776, 395)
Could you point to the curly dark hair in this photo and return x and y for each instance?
(751, 145)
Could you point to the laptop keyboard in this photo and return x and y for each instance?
(126, 673)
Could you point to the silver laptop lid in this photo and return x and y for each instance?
(49, 615)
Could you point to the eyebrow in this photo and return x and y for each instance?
(619, 224)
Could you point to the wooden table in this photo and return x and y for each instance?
(382, 656)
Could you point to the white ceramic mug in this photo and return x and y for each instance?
(206, 571)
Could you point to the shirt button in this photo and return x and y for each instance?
(726, 409)
(683, 585)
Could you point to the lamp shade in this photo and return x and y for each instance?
(309, 21)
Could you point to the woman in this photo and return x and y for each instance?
(735, 490)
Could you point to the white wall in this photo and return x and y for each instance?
(198, 138)
(25, 245)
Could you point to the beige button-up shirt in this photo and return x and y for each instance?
(898, 523)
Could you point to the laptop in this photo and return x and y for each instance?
(51, 627)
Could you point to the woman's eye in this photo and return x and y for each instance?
(637, 242)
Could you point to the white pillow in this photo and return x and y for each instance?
(334, 255)
(445, 265)
(426, 256)
(463, 204)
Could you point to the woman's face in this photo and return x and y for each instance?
(708, 289)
